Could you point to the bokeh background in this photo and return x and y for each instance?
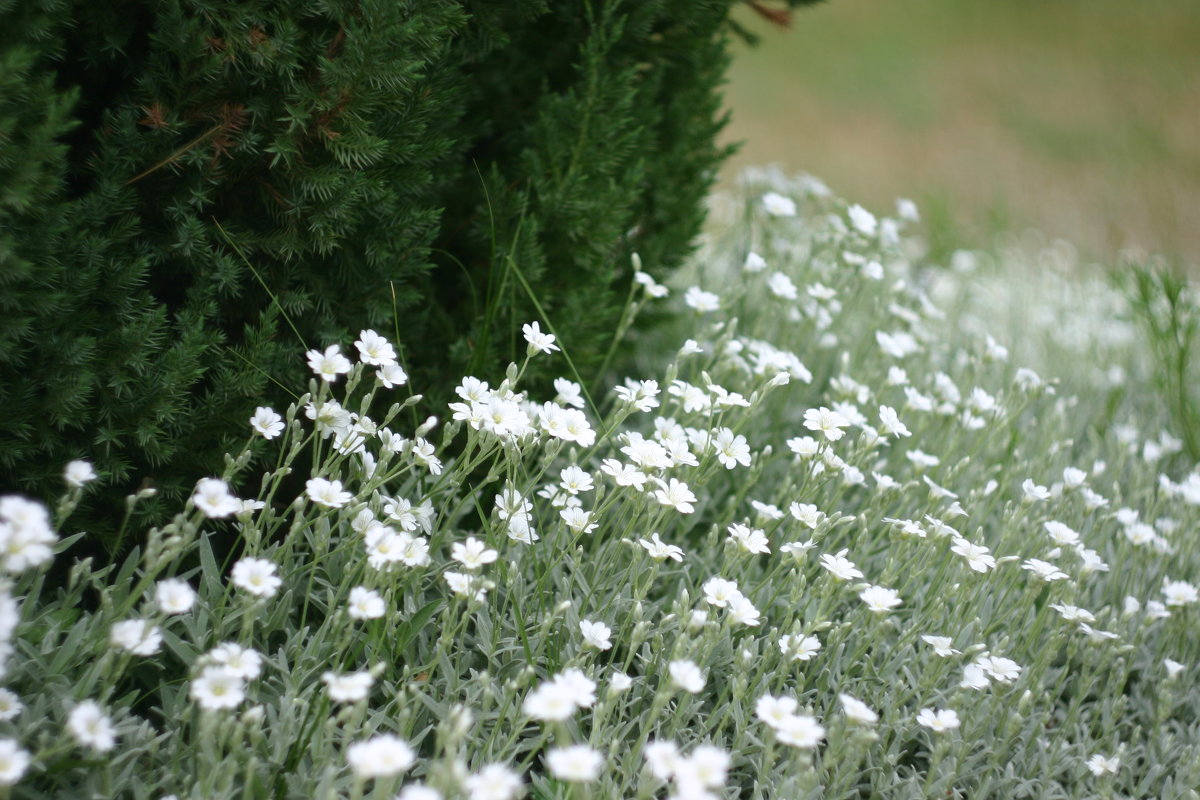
(1080, 118)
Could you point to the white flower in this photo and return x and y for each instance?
(418, 791)
(907, 527)
(820, 291)
(942, 645)
(493, 782)
(700, 300)
(898, 344)
(553, 701)
(662, 757)
(212, 496)
(374, 349)
(574, 480)
(349, 688)
(1004, 670)
(391, 376)
(329, 418)
(380, 756)
(423, 453)
(473, 553)
(1060, 533)
(767, 511)
(256, 576)
(173, 596)
(807, 514)
(978, 557)
(581, 687)
(596, 634)
(569, 393)
(752, 540)
(466, 585)
(1100, 765)
(243, 662)
(799, 647)
(642, 395)
(1140, 534)
(781, 286)
(839, 566)
(676, 495)
(754, 262)
(619, 682)
(13, 762)
(577, 763)
(577, 519)
(864, 221)
(775, 710)
(653, 288)
(330, 364)
(687, 676)
(777, 205)
(326, 493)
(660, 550)
(1173, 669)
(858, 711)
(922, 459)
(743, 612)
(1033, 492)
(247, 508)
(827, 422)
(520, 529)
(731, 450)
(77, 473)
(880, 599)
(800, 731)
(705, 768)
(266, 423)
(1179, 593)
(974, 677)
(890, 424)
(218, 688)
(624, 474)
(1044, 570)
(365, 603)
(538, 342)
(91, 727)
(402, 512)
(938, 721)
(1096, 636)
(720, 592)
(797, 550)
(1156, 610)
(803, 446)
(137, 636)
(11, 705)
(1072, 613)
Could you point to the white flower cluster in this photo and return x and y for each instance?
(736, 569)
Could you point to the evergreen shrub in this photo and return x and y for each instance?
(187, 187)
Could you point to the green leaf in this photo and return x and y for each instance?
(410, 627)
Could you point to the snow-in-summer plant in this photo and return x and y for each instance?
(819, 540)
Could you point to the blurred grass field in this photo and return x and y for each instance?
(1078, 117)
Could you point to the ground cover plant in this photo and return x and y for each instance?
(823, 538)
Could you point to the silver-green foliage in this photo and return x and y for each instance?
(1077, 622)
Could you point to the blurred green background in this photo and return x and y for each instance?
(1078, 117)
